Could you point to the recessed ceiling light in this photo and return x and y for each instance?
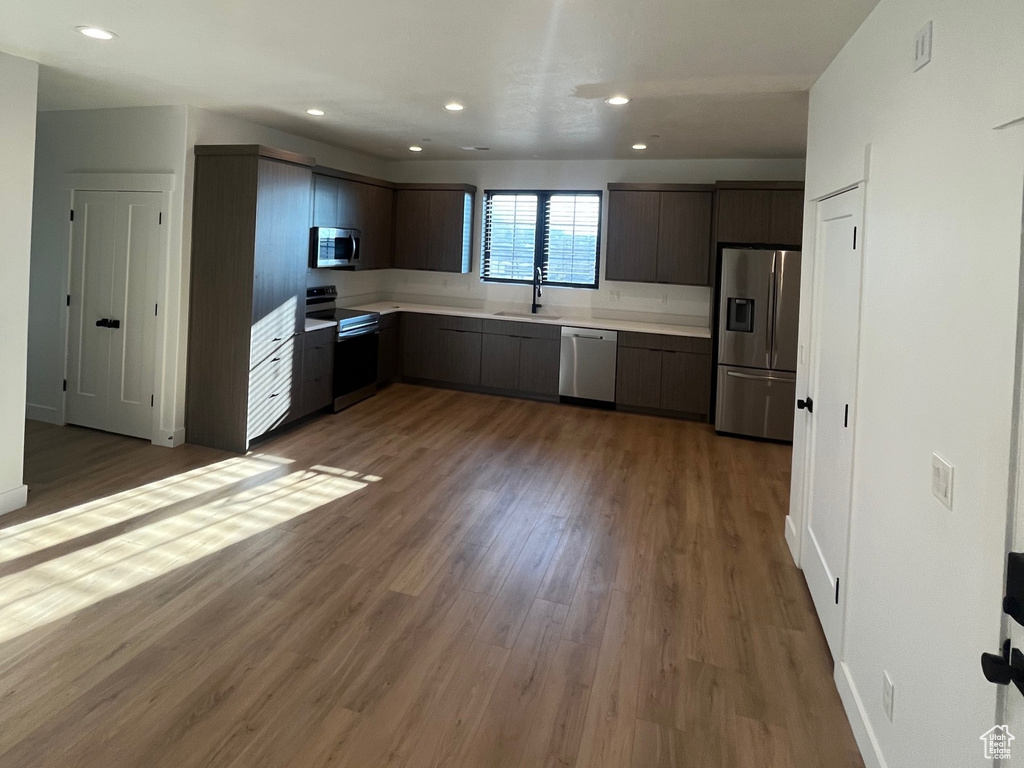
(639, 146)
(315, 112)
(617, 101)
(415, 148)
(454, 106)
(475, 149)
(96, 33)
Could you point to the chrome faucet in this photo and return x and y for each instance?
(537, 277)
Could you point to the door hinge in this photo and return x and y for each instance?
(65, 385)
(69, 299)
(855, 238)
(837, 591)
(151, 397)
(72, 214)
(156, 310)
(846, 417)
(160, 219)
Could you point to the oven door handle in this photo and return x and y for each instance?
(363, 331)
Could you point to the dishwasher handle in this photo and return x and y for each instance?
(594, 334)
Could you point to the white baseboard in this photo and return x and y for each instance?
(858, 717)
(42, 413)
(793, 540)
(16, 498)
(166, 439)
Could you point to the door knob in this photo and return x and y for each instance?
(807, 405)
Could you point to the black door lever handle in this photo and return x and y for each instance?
(113, 324)
(807, 405)
(1004, 668)
(103, 323)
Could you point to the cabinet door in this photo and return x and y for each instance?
(350, 205)
(744, 216)
(632, 252)
(281, 247)
(458, 357)
(325, 201)
(538, 366)
(787, 227)
(685, 382)
(412, 228)
(499, 362)
(387, 358)
(377, 208)
(684, 238)
(418, 339)
(638, 377)
(447, 248)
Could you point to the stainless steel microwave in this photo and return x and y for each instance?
(331, 248)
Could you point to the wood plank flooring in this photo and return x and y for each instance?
(431, 578)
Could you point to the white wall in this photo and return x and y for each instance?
(942, 250)
(18, 88)
(130, 140)
(687, 301)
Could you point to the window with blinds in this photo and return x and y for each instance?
(557, 232)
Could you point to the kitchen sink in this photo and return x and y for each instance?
(526, 315)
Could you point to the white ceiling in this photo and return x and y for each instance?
(708, 78)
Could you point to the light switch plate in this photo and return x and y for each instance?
(923, 46)
(942, 480)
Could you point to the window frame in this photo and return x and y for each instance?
(539, 256)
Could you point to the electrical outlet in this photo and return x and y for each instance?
(888, 694)
(923, 46)
(942, 480)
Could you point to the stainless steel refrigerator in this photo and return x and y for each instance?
(758, 320)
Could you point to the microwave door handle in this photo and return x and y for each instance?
(355, 247)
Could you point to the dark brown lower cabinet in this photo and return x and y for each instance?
(418, 339)
(538, 366)
(638, 377)
(685, 382)
(458, 357)
(671, 374)
(317, 368)
(499, 362)
(388, 351)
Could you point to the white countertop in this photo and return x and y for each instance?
(578, 319)
(313, 324)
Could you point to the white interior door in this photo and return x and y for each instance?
(837, 331)
(116, 242)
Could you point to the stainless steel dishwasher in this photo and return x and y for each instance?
(587, 366)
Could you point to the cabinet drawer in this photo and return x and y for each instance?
(521, 330)
(668, 343)
(273, 390)
(265, 343)
(456, 323)
(319, 337)
(316, 362)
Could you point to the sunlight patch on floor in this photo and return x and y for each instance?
(64, 585)
(51, 530)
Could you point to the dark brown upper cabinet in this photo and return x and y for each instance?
(752, 216)
(434, 227)
(352, 203)
(659, 233)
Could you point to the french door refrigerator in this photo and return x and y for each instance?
(758, 319)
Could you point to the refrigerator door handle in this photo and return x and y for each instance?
(755, 377)
(769, 350)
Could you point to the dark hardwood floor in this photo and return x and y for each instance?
(430, 578)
